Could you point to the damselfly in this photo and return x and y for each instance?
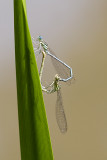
(60, 114)
(63, 70)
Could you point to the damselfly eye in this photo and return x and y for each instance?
(40, 38)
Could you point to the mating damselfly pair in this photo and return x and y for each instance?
(64, 74)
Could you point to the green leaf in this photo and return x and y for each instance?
(33, 128)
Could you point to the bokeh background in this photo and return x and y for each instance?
(77, 32)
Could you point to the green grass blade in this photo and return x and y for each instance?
(33, 128)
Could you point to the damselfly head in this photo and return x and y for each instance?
(57, 77)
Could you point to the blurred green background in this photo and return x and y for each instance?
(77, 32)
